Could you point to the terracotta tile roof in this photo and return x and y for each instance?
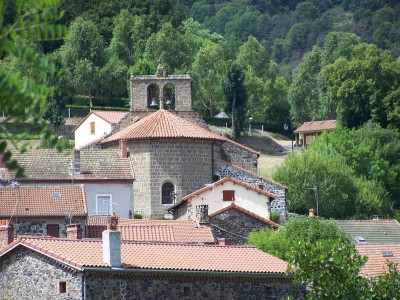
(234, 180)
(43, 200)
(163, 124)
(251, 173)
(154, 256)
(372, 231)
(110, 116)
(316, 126)
(377, 262)
(49, 164)
(176, 231)
(246, 212)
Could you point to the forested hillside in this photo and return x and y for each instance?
(297, 57)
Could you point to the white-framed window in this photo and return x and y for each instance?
(103, 204)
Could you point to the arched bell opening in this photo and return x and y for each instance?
(153, 96)
(169, 96)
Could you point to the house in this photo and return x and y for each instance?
(97, 124)
(106, 175)
(376, 231)
(110, 269)
(378, 257)
(171, 231)
(43, 210)
(308, 131)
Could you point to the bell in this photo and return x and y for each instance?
(154, 102)
(169, 101)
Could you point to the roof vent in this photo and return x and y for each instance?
(360, 239)
(387, 253)
(55, 195)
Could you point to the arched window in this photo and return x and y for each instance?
(169, 96)
(153, 95)
(168, 193)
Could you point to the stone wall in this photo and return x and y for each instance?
(188, 287)
(25, 274)
(223, 169)
(38, 226)
(235, 226)
(239, 156)
(182, 84)
(186, 163)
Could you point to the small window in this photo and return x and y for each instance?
(228, 195)
(168, 193)
(187, 290)
(53, 230)
(103, 205)
(62, 287)
(92, 128)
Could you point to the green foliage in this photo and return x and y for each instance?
(24, 99)
(236, 97)
(275, 216)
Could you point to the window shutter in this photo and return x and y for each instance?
(92, 127)
(228, 195)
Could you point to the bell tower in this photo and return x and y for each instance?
(161, 91)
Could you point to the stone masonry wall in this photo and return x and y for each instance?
(186, 163)
(188, 288)
(235, 226)
(223, 169)
(239, 156)
(182, 84)
(24, 274)
(38, 226)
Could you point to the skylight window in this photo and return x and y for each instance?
(387, 253)
(359, 239)
(55, 195)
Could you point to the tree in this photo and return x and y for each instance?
(236, 97)
(22, 98)
(208, 70)
(83, 57)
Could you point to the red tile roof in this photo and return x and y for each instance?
(246, 212)
(377, 263)
(316, 126)
(229, 178)
(176, 231)
(163, 124)
(154, 256)
(110, 116)
(95, 164)
(43, 200)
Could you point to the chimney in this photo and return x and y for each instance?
(112, 246)
(260, 184)
(123, 148)
(224, 241)
(76, 163)
(311, 213)
(202, 214)
(74, 231)
(6, 233)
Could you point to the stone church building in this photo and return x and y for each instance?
(171, 150)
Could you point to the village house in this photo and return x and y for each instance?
(106, 175)
(43, 210)
(308, 131)
(109, 268)
(97, 124)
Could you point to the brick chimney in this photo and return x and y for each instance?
(224, 241)
(123, 148)
(6, 233)
(202, 214)
(74, 231)
(260, 184)
(112, 243)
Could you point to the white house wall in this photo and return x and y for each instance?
(245, 198)
(121, 194)
(83, 135)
